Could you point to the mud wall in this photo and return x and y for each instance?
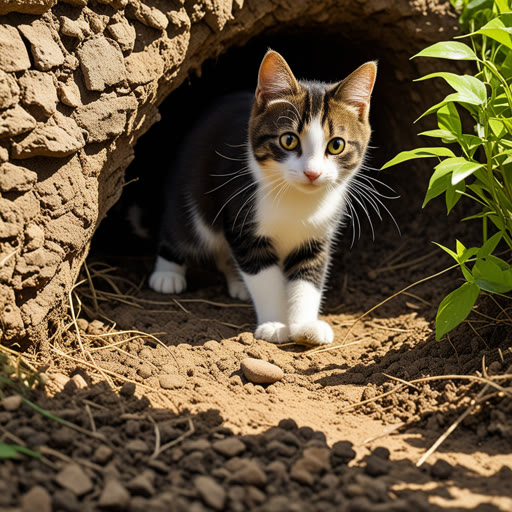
(81, 80)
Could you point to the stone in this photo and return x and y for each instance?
(34, 237)
(250, 474)
(145, 371)
(46, 52)
(13, 52)
(69, 94)
(143, 484)
(79, 381)
(60, 136)
(102, 63)
(441, 469)
(144, 67)
(9, 90)
(78, 28)
(210, 492)
(38, 90)
(260, 372)
(14, 178)
(171, 381)
(151, 16)
(37, 498)
(105, 118)
(376, 466)
(114, 496)
(73, 478)
(124, 33)
(4, 154)
(229, 447)
(15, 121)
(342, 452)
(26, 6)
(12, 403)
(65, 500)
(137, 445)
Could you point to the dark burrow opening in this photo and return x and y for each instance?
(327, 56)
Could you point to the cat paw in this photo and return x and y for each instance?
(275, 332)
(238, 290)
(167, 282)
(316, 332)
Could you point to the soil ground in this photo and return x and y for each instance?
(387, 390)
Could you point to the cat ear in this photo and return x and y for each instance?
(274, 78)
(357, 88)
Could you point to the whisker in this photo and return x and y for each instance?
(230, 158)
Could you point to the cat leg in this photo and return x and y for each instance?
(258, 264)
(236, 286)
(168, 274)
(268, 293)
(305, 269)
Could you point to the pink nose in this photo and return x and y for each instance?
(312, 175)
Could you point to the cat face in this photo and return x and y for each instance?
(311, 135)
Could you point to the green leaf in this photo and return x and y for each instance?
(499, 29)
(491, 278)
(418, 153)
(490, 245)
(498, 127)
(445, 135)
(463, 170)
(470, 89)
(448, 50)
(455, 307)
(439, 181)
(471, 143)
(12, 451)
(448, 119)
(453, 194)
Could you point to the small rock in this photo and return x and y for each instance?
(13, 53)
(151, 16)
(62, 437)
(102, 63)
(95, 327)
(196, 445)
(251, 474)
(74, 478)
(229, 447)
(82, 323)
(12, 403)
(102, 454)
(260, 372)
(114, 496)
(123, 33)
(143, 484)
(34, 237)
(288, 424)
(211, 345)
(69, 94)
(342, 453)
(36, 499)
(15, 121)
(145, 371)
(171, 381)
(382, 452)
(246, 338)
(376, 466)
(60, 379)
(441, 469)
(65, 500)
(79, 381)
(211, 492)
(46, 52)
(128, 389)
(39, 91)
(137, 445)
(494, 368)
(9, 90)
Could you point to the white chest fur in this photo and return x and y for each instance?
(294, 217)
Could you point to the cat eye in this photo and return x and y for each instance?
(289, 141)
(336, 146)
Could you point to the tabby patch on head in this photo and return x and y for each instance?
(311, 134)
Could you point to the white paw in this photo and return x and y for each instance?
(275, 332)
(238, 290)
(316, 332)
(167, 282)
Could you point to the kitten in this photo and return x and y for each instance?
(261, 185)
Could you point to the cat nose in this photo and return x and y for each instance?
(312, 175)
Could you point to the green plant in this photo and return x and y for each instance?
(479, 166)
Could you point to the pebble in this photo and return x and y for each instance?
(128, 389)
(95, 327)
(170, 381)
(142, 485)
(441, 469)
(376, 466)
(12, 403)
(494, 368)
(62, 437)
(102, 454)
(260, 372)
(342, 453)
(82, 323)
(211, 345)
(145, 371)
(74, 478)
(36, 499)
(64, 499)
(137, 445)
(211, 492)
(79, 381)
(114, 496)
(251, 474)
(229, 447)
